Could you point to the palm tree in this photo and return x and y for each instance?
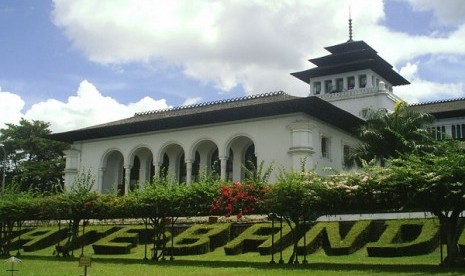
(390, 134)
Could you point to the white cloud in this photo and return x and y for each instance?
(11, 106)
(192, 101)
(422, 90)
(88, 107)
(251, 43)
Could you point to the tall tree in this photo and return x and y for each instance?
(33, 161)
(389, 134)
(435, 182)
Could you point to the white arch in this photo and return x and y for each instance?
(105, 155)
(225, 147)
(135, 149)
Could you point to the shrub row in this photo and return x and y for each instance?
(406, 238)
(399, 238)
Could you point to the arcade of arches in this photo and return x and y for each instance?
(122, 174)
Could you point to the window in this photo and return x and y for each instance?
(328, 86)
(339, 85)
(325, 147)
(438, 132)
(347, 162)
(362, 81)
(350, 83)
(458, 131)
(316, 88)
(364, 113)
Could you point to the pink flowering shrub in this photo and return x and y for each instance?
(238, 199)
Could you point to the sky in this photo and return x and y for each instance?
(77, 63)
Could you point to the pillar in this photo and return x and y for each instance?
(127, 178)
(223, 164)
(101, 173)
(302, 144)
(189, 171)
(156, 170)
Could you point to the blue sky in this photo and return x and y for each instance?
(82, 62)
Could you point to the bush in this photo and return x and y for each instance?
(396, 241)
(200, 239)
(251, 239)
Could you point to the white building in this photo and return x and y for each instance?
(450, 117)
(220, 137)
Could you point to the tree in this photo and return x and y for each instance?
(387, 135)
(33, 161)
(435, 182)
(297, 197)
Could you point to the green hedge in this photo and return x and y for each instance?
(122, 240)
(336, 238)
(314, 239)
(41, 237)
(92, 234)
(251, 238)
(409, 237)
(279, 244)
(353, 240)
(200, 239)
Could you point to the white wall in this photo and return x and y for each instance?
(274, 139)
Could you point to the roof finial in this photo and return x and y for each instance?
(350, 27)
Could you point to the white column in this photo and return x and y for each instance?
(223, 164)
(101, 173)
(143, 172)
(127, 179)
(72, 157)
(237, 165)
(188, 171)
(302, 144)
(156, 171)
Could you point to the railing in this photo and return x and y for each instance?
(352, 92)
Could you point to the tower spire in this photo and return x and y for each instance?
(350, 27)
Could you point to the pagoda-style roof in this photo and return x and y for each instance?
(442, 108)
(251, 107)
(347, 57)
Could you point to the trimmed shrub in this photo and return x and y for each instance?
(408, 237)
(121, 241)
(354, 239)
(314, 239)
(252, 238)
(200, 239)
(279, 244)
(92, 234)
(42, 237)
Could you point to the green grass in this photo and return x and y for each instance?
(42, 263)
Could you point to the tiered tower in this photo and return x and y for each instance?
(353, 77)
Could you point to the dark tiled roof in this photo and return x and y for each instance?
(442, 108)
(265, 105)
(348, 57)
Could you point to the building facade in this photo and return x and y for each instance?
(223, 138)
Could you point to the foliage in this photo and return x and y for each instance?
(200, 239)
(389, 134)
(394, 243)
(257, 175)
(436, 183)
(239, 199)
(33, 161)
(296, 195)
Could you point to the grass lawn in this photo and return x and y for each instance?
(42, 263)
